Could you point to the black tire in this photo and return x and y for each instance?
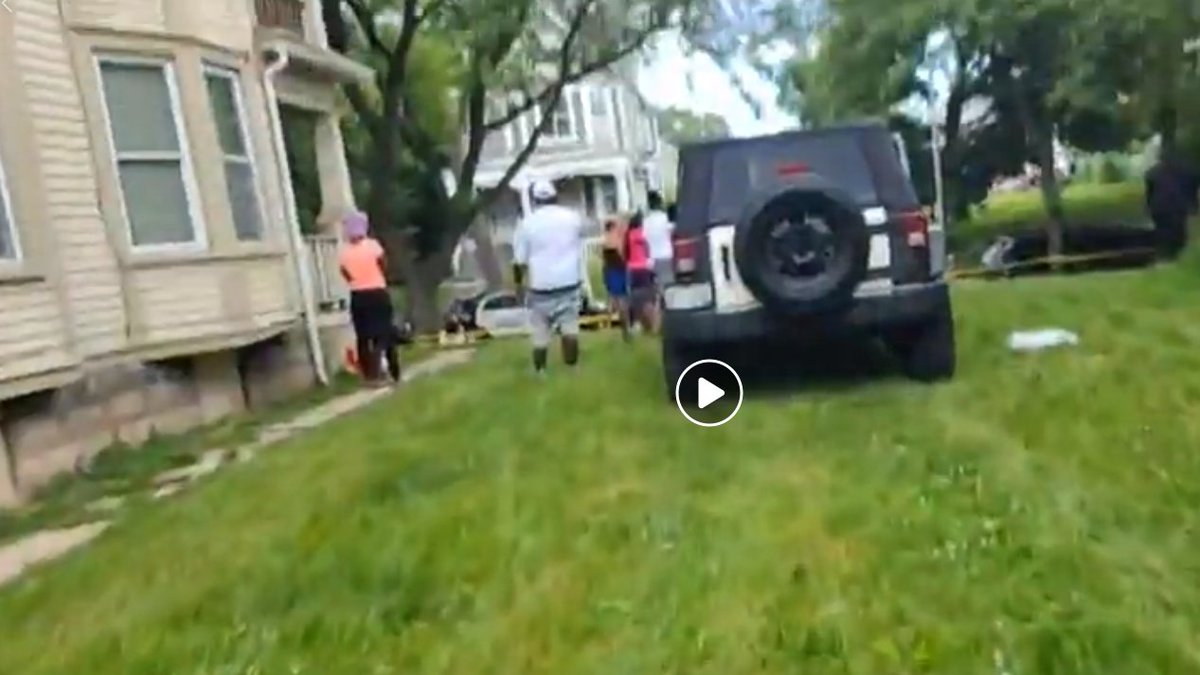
(833, 287)
(928, 350)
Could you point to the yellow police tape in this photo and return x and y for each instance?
(1051, 260)
(459, 339)
(463, 339)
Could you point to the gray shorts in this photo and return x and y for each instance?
(553, 311)
(664, 273)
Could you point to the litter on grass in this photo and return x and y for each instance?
(1042, 338)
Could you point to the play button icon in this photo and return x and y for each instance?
(708, 393)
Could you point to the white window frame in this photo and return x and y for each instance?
(550, 136)
(235, 78)
(14, 232)
(652, 131)
(598, 93)
(616, 117)
(187, 168)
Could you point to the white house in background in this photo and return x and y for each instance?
(602, 151)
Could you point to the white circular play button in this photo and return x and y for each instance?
(709, 393)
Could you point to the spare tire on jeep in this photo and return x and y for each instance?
(802, 249)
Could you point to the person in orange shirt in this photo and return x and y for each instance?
(364, 267)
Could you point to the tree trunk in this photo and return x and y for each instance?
(485, 255)
(1039, 133)
(1051, 191)
(423, 280)
(956, 203)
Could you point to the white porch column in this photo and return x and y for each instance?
(624, 199)
(314, 25)
(337, 193)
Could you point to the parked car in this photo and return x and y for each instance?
(803, 233)
(501, 313)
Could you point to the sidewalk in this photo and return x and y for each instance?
(19, 556)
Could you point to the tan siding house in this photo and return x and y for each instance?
(152, 274)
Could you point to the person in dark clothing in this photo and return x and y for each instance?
(364, 267)
(1171, 196)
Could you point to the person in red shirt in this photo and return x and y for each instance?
(364, 267)
(643, 292)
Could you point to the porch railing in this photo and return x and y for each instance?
(330, 290)
(286, 14)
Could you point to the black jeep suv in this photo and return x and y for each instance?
(803, 233)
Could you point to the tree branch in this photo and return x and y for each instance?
(571, 77)
(366, 21)
(555, 91)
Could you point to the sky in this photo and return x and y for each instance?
(696, 83)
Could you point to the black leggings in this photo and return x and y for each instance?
(371, 313)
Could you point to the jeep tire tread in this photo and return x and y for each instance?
(927, 350)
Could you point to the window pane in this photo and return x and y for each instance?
(156, 203)
(599, 109)
(225, 111)
(139, 107)
(243, 199)
(562, 117)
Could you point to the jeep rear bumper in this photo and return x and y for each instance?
(902, 306)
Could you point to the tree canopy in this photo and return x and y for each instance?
(682, 126)
(1093, 73)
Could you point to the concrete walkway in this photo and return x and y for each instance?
(19, 556)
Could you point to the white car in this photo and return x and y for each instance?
(501, 313)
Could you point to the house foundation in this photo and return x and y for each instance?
(54, 432)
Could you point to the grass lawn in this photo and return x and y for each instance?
(1036, 515)
(1085, 203)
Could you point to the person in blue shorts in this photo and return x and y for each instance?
(616, 281)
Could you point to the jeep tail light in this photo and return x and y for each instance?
(792, 169)
(915, 225)
(686, 252)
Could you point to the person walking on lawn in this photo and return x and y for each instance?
(364, 267)
(548, 270)
(643, 291)
(1171, 196)
(659, 227)
(616, 281)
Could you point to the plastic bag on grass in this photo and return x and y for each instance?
(1042, 338)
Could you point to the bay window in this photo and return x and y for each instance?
(158, 190)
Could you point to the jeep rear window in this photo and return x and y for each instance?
(742, 169)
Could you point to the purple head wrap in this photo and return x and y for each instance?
(355, 225)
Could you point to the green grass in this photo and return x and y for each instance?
(1085, 203)
(1036, 515)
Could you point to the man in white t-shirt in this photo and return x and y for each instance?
(548, 265)
(658, 228)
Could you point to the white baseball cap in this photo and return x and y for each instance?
(543, 190)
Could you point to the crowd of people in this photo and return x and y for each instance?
(548, 266)
(548, 269)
